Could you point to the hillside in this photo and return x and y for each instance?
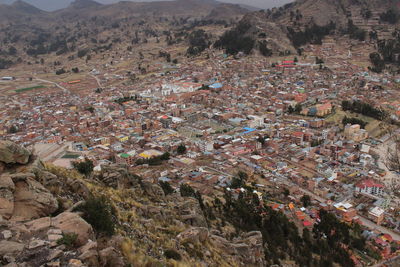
(287, 30)
(27, 33)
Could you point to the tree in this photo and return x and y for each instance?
(13, 129)
(264, 50)
(181, 149)
(84, 167)
(12, 51)
(90, 109)
(298, 108)
(319, 60)
(306, 200)
(166, 187)
(187, 191)
(391, 16)
(242, 175)
(99, 213)
(60, 71)
(197, 42)
(261, 139)
(82, 53)
(377, 62)
(286, 192)
(236, 40)
(75, 70)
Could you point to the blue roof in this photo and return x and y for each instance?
(248, 130)
(216, 85)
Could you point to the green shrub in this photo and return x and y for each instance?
(172, 254)
(68, 239)
(100, 214)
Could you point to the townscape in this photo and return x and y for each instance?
(305, 133)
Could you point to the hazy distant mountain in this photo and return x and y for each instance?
(51, 5)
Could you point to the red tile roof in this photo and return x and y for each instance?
(368, 183)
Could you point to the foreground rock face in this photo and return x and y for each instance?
(34, 231)
(31, 199)
(11, 153)
(70, 222)
(23, 198)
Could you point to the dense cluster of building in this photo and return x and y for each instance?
(277, 124)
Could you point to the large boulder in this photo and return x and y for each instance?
(116, 176)
(194, 235)
(153, 190)
(31, 199)
(10, 248)
(11, 153)
(70, 222)
(7, 188)
(39, 225)
(247, 248)
(190, 213)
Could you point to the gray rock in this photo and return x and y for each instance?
(39, 225)
(7, 234)
(10, 247)
(153, 190)
(194, 235)
(54, 254)
(36, 243)
(13, 153)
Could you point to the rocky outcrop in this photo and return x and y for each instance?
(247, 249)
(23, 198)
(147, 220)
(31, 199)
(70, 222)
(116, 176)
(153, 190)
(7, 189)
(194, 235)
(11, 153)
(190, 213)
